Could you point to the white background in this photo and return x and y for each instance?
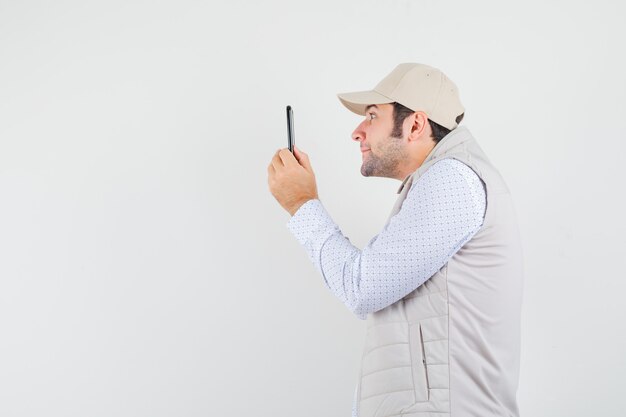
(145, 268)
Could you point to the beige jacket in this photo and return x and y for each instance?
(451, 347)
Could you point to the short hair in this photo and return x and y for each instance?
(400, 113)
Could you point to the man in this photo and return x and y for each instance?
(441, 285)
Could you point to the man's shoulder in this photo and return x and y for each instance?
(451, 167)
(452, 178)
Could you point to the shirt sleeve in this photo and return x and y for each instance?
(443, 209)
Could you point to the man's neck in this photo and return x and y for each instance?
(415, 162)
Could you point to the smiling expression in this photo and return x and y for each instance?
(382, 153)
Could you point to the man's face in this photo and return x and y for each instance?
(382, 153)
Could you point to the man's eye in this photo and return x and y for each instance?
(372, 115)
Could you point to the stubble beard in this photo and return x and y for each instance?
(387, 162)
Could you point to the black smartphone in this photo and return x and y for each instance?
(291, 134)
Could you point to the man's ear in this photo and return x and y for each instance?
(419, 124)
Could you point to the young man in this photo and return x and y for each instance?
(441, 285)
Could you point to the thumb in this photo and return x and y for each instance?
(302, 158)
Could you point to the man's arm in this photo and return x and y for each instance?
(444, 208)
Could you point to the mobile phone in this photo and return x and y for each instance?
(291, 134)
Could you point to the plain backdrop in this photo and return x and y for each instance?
(145, 268)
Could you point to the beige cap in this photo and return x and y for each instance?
(416, 86)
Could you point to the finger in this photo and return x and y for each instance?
(303, 159)
(277, 164)
(277, 160)
(299, 152)
(289, 158)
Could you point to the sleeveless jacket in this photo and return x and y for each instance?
(451, 347)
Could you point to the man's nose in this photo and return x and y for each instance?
(358, 134)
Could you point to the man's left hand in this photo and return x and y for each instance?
(291, 179)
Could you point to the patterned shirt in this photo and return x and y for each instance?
(443, 209)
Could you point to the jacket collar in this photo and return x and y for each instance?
(454, 138)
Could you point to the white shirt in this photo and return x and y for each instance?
(444, 208)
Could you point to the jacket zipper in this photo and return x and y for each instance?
(424, 361)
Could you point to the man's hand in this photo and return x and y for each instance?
(291, 179)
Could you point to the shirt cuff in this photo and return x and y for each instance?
(310, 219)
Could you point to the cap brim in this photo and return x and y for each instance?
(358, 101)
